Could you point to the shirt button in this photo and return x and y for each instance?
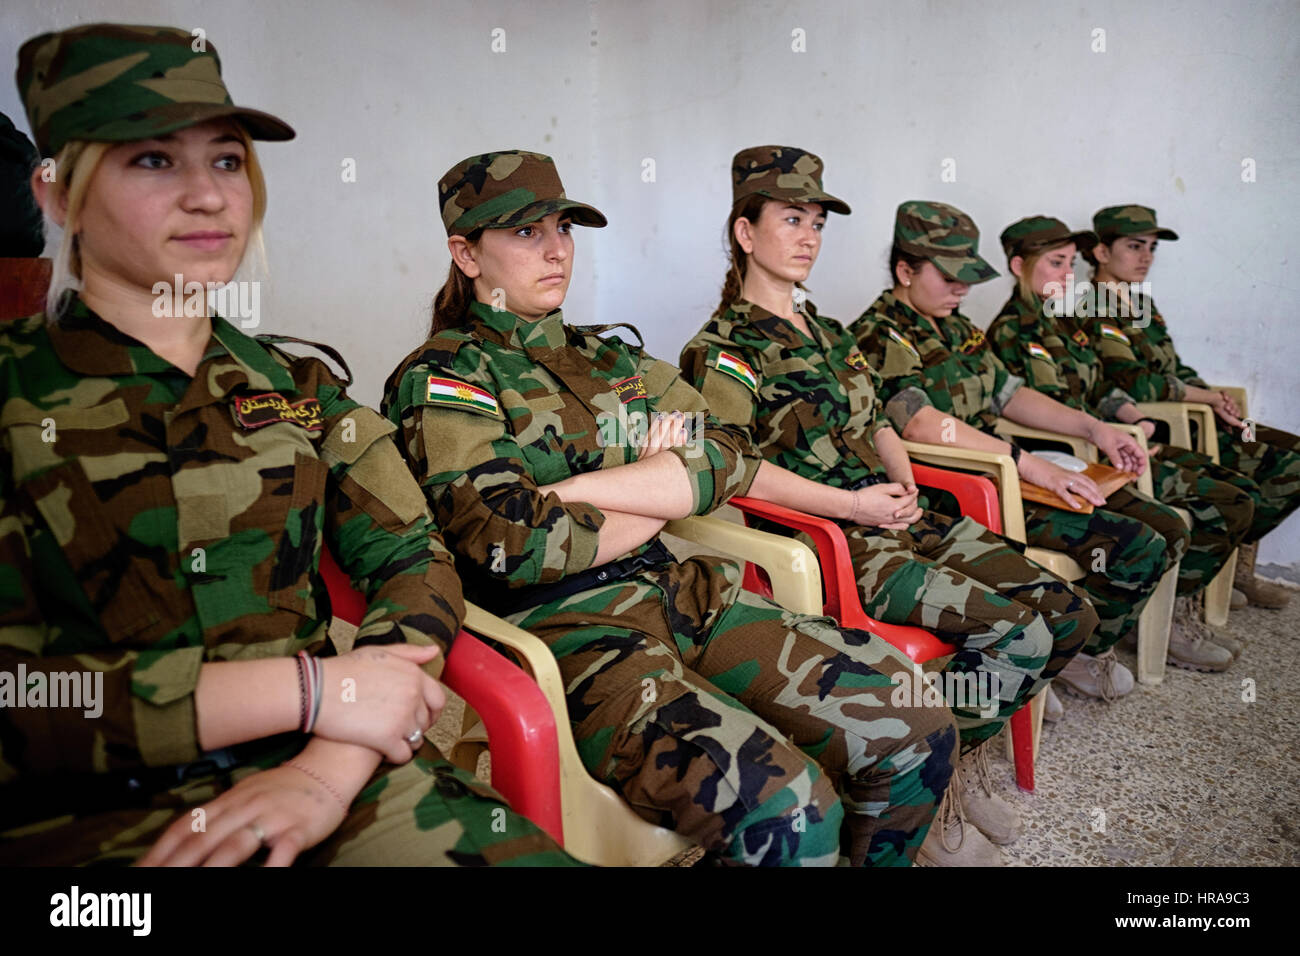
(449, 786)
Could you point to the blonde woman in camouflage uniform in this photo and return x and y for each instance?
(553, 457)
(166, 486)
(943, 384)
(1137, 353)
(1054, 354)
(768, 362)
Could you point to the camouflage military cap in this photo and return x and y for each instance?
(946, 236)
(781, 172)
(1034, 234)
(510, 187)
(1115, 221)
(112, 82)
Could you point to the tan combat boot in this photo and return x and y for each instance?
(1190, 644)
(1217, 634)
(1258, 592)
(951, 841)
(987, 812)
(1100, 676)
(1238, 601)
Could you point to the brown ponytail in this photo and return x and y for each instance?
(737, 259)
(453, 299)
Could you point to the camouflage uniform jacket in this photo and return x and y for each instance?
(498, 406)
(1141, 359)
(1055, 356)
(953, 369)
(809, 401)
(150, 522)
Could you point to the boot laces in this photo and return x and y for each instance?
(982, 772)
(1193, 629)
(950, 813)
(1102, 667)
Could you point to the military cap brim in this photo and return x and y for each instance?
(1159, 233)
(579, 212)
(971, 270)
(828, 202)
(1084, 239)
(170, 117)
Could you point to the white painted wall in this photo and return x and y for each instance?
(1012, 92)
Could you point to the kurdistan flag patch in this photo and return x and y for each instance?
(903, 341)
(450, 391)
(1111, 332)
(737, 369)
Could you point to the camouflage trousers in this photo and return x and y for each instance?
(1221, 510)
(1015, 625)
(1268, 469)
(423, 813)
(1124, 549)
(717, 713)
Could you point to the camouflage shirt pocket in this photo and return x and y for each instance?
(110, 565)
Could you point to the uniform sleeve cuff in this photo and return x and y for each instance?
(162, 703)
(1177, 388)
(1006, 393)
(584, 537)
(903, 406)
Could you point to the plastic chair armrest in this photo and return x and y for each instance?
(521, 727)
(1000, 467)
(829, 542)
(1079, 447)
(790, 565)
(976, 495)
(518, 713)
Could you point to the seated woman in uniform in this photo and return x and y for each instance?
(1137, 354)
(768, 362)
(167, 484)
(706, 707)
(943, 384)
(1054, 354)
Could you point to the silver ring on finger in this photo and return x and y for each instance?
(258, 832)
(414, 737)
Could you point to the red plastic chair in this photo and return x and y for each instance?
(519, 721)
(977, 497)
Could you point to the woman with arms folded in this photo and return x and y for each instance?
(708, 709)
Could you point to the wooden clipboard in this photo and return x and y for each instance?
(1108, 480)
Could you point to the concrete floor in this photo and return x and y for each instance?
(1190, 772)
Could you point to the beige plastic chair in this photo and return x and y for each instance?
(599, 827)
(1003, 471)
(1179, 416)
(1156, 619)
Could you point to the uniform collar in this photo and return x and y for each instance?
(779, 330)
(545, 333)
(896, 308)
(89, 345)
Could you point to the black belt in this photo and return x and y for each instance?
(533, 595)
(44, 796)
